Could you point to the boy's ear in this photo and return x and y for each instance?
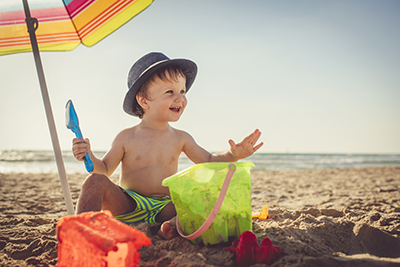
(142, 101)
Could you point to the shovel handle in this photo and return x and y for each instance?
(88, 161)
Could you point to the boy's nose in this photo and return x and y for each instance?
(179, 98)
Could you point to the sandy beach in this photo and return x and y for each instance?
(325, 217)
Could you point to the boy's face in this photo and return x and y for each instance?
(166, 99)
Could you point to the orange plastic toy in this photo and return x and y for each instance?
(263, 215)
(97, 239)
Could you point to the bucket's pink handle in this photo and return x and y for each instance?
(215, 210)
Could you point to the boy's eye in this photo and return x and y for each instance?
(170, 92)
(183, 92)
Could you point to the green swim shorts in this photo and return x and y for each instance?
(146, 210)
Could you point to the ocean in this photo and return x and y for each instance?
(40, 161)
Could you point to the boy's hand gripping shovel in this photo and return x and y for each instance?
(72, 123)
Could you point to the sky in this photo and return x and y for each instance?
(315, 76)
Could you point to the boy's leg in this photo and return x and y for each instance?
(168, 219)
(167, 213)
(100, 193)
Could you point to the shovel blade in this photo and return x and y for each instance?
(71, 119)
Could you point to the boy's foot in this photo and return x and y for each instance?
(168, 229)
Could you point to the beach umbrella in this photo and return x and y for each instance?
(60, 25)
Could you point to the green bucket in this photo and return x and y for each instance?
(195, 192)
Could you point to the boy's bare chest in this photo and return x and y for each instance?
(152, 150)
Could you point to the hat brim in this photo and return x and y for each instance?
(189, 68)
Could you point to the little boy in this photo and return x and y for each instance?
(149, 151)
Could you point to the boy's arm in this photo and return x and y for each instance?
(238, 151)
(107, 164)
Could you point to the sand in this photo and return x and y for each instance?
(328, 217)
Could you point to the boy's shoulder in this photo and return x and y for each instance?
(184, 136)
(127, 132)
(179, 132)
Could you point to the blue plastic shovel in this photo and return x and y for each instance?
(72, 123)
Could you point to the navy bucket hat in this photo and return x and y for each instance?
(145, 67)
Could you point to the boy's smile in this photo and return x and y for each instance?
(175, 109)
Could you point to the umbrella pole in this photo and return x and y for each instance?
(32, 25)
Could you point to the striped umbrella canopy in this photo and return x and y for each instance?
(63, 24)
(60, 25)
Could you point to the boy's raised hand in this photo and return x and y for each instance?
(246, 147)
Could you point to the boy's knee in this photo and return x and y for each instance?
(96, 181)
